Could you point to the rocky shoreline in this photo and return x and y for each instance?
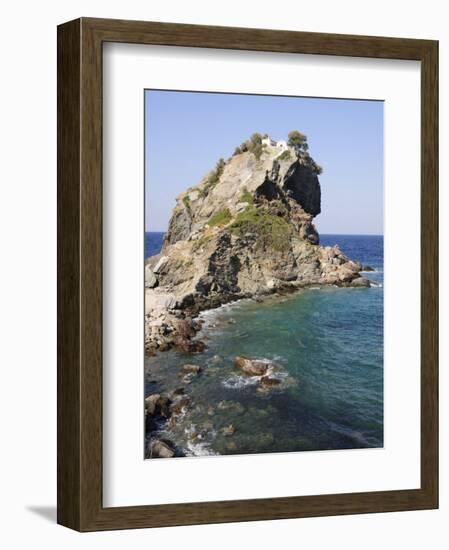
(245, 231)
(166, 409)
(172, 328)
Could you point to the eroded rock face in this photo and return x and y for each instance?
(302, 183)
(180, 225)
(245, 233)
(150, 278)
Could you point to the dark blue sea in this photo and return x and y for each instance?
(153, 243)
(328, 342)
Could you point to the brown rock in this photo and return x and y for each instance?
(228, 430)
(191, 369)
(157, 404)
(160, 449)
(164, 406)
(252, 367)
(360, 282)
(151, 403)
(179, 405)
(269, 381)
(190, 346)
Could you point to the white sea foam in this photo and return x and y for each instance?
(236, 381)
(374, 284)
(278, 358)
(207, 313)
(198, 448)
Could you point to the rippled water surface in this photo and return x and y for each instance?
(327, 345)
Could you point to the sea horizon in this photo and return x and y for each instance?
(324, 233)
(154, 239)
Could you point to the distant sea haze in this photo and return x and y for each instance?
(351, 245)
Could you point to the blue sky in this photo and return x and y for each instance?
(187, 132)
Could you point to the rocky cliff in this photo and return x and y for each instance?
(246, 230)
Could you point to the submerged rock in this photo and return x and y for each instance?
(179, 405)
(232, 406)
(270, 381)
(190, 346)
(191, 369)
(228, 430)
(251, 367)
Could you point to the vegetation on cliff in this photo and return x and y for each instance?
(271, 231)
(245, 230)
(222, 217)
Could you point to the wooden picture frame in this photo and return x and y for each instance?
(80, 504)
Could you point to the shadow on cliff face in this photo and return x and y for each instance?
(223, 269)
(302, 184)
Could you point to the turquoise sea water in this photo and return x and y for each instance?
(328, 347)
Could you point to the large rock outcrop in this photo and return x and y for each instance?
(245, 230)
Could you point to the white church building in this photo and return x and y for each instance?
(272, 143)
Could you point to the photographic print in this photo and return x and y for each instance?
(263, 274)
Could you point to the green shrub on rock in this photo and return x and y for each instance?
(271, 231)
(286, 155)
(222, 217)
(296, 139)
(246, 196)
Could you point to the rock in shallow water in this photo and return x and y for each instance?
(228, 430)
(190, 346)
(191, 369)
(361, 282)
(232, 406)
(151, 402)
(251, 367)
(160, 449)
(270, 381)
(157, 404)
(178, 406)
